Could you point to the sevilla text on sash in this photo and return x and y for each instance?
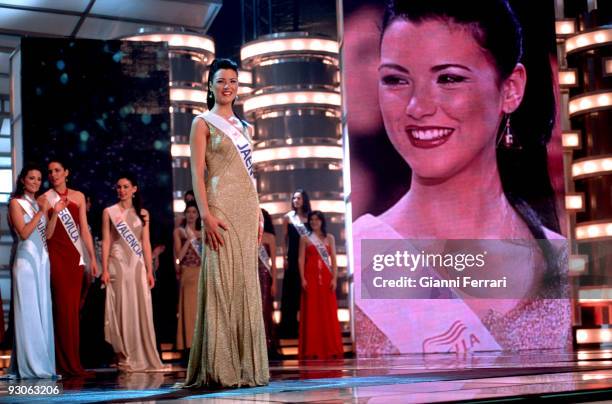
(69, 224)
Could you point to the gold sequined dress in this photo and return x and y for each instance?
(229, 343)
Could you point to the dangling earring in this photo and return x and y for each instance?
(506, 139)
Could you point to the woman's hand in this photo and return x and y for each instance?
(211, 227)
(59, 206)
(333, 284)
(304, 284)
(105, 277)
(43, 204)
(150, 279)
(93, 266)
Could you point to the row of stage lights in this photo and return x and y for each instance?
(253, 102)
(574, 41)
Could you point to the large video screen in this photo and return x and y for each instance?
(456, 176)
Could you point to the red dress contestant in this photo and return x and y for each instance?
(319, 336)
(66, 282)
(67, 268)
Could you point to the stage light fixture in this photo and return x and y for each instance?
(588, 39)
(594, 295)
(574, 202)
(593, 335)
(283, 45)
(565, 27)
(297, 152)
(178, 40)
(590, 102)
(295, 97)
(344, 315)
(578, 264)
(587, 230)
(180, 150)
(245, 77)
(568, 78)
(608, 66)
(590, 167)
(571, 139)
(178, 206)
(187, 95)
(6, 181)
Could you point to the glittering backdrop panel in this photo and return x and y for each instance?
(102, 106)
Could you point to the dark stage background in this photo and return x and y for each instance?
(102, 106)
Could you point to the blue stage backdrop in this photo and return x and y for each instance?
(103, 107)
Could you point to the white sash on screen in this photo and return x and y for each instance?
(31, 208)
(125, 232)
(408, 323)
(197, 246)
(241, 141)
(69, 224)
(303, 231)
(264, 258)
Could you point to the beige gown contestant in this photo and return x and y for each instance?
(229, 343)
(128, 316)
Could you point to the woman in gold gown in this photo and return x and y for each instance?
(229, 343)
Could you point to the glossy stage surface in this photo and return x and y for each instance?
(551, 375)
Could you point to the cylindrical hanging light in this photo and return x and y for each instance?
(190, 54)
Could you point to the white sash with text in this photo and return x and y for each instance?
(31, 208)
(303, 231)
(125, 231)
(69, 224)
(240, 140)
(193, 240)
(264, 258)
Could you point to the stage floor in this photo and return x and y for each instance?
(551, 375)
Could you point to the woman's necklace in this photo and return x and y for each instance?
(63, 195)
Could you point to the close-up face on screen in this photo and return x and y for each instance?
(466, 211)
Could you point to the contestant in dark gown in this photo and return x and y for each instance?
(67, 268)
(290, 300)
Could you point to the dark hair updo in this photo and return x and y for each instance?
(214, 67)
